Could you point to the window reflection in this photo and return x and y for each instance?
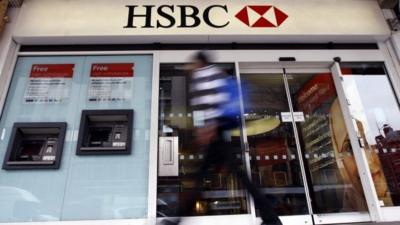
(334, 181)
(375, 112)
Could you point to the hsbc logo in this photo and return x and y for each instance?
(165, 16)
(261, 16)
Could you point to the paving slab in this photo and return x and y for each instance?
(388, 223)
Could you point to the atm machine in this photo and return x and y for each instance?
(35, 146)
(105, 132)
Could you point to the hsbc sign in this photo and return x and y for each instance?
(200, 21)
(190, 16)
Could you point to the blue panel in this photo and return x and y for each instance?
(36, 195)
(108, 187)
(85, 187)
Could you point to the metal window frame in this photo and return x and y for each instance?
(270, 58)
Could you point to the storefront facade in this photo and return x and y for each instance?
(96, 124)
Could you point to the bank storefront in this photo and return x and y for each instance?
(96, 125)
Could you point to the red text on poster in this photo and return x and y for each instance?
(112, 70)
(52, 71)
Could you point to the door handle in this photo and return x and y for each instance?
(168, 153)
(168, 156)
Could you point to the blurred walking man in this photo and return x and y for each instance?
(216, 111)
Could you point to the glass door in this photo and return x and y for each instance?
(334, 182)
(274, 159)
(374, 110)
(301, 156)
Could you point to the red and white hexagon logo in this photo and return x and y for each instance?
(261, 16)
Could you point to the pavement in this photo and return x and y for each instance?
(371, 223)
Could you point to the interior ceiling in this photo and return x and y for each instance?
(280, 65)
(266, 80)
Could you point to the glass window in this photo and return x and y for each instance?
(375, 112)
(222, 192)
(84, 187)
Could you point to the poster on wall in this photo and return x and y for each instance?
(49, 83)
(110, 82)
